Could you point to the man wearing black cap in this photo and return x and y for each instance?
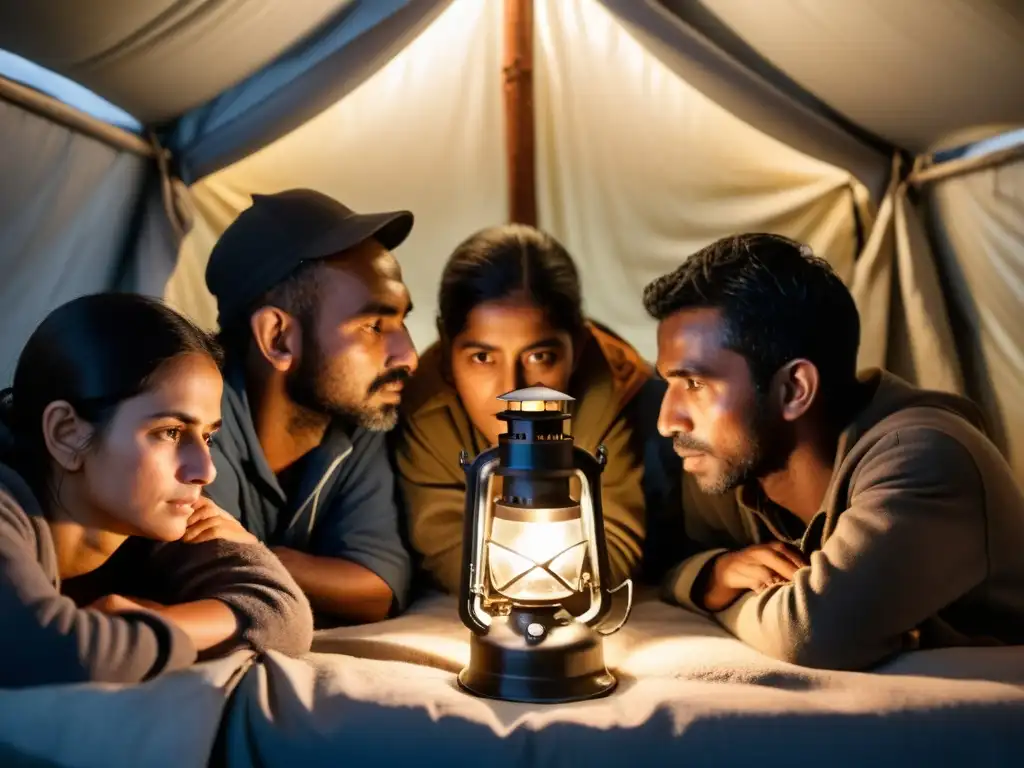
(312, 314)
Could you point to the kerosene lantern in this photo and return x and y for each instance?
(535, 589)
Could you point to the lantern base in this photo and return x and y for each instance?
(532, 656)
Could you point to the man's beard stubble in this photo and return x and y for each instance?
(765, 449)
(315, 388)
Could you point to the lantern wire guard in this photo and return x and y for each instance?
(535, 574)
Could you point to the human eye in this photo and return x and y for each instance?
(376, 328)
(481, 358)
(170, 434)
(542, 357)
(693, 384)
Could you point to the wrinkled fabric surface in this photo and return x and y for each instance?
(688, 693)
(385, 694)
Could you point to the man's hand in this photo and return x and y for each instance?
(753, 568)
(208, 521)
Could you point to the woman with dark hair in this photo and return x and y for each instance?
(113, 567)
(510, 316)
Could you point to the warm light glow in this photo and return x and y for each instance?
(537, 405)
(518, 555)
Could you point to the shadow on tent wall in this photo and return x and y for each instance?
(965, 322)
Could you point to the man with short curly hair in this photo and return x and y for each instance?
(872, 516)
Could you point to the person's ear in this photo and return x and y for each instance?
(797, 384)
(65, 434)
(278, 337)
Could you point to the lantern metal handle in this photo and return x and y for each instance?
(478, 475)
(590, 468)
(628, 584)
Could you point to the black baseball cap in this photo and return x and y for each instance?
(279, 232)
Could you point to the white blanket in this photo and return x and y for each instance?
(688, 693)
(386, 694)
(170, 722)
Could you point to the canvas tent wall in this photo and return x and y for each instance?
(660, 125)
(441, 153)
(86, 207)
(81, 210)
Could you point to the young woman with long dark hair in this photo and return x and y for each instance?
(510, 316)
(113, 566)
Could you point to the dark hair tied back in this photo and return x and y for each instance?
(93, 352)
(504, 262)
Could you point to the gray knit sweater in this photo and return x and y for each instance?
(47, 637)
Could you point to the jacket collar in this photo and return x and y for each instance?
(600, 396)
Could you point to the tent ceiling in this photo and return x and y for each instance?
(914, 72)
(158, 58)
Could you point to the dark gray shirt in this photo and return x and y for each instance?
(341, 502)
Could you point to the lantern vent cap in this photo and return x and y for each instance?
(533, 394)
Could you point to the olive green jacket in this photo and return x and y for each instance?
(435, 427)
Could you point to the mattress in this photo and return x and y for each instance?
(386, 694)
(688, 693)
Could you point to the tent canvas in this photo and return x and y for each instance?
(660, 125)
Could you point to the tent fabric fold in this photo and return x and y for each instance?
(977, 223)
(298, 86)
(50, 109)
(159, 59)
(632, 191)
(916, 73)
(72, 213)
(423, 133)
(747, 95)
(905, 324)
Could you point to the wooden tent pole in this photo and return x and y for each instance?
(518, 77)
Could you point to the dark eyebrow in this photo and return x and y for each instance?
(542, 344)
(687, 371)
(183, 417)
(382, 309)
(470, 344)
